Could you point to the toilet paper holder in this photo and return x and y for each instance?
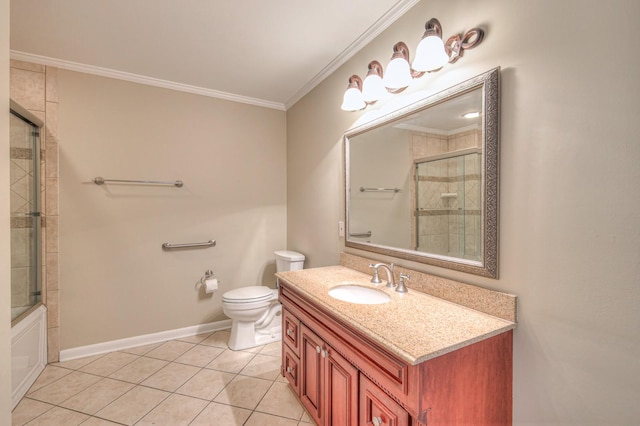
(209, 282)
(208, 274)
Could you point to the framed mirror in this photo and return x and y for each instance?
(422, 182)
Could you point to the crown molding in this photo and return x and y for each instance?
(141, 79)
(399, 9)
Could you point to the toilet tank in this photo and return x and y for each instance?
(288, 260)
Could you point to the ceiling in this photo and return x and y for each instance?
(263, 52)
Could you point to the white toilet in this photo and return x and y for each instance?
(255, 311)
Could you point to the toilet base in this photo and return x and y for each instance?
(243, 335)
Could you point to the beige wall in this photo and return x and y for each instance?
(569, 195)
(115, 279)
(5, 256)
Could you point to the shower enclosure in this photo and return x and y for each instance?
(448, 202)
(26, 261)
(28, 313)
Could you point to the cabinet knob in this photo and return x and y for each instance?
(377, 421)
(289, 332)
(318, 349)
(289, 369)
(323, 353)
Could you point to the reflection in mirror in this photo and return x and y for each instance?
(422, 185)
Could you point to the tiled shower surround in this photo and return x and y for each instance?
(35, 88)
(447, 194)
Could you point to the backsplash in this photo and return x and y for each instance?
(501, 305)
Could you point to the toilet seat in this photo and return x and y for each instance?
(255, 293)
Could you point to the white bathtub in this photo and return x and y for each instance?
(28, 352)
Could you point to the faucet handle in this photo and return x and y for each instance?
(376, 278)
(402, 288)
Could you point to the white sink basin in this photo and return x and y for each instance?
(357, 294)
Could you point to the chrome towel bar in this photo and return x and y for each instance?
(101, 181)
(169, 246)
(363, 189)
(360, 234)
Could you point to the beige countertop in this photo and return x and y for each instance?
(414, 326)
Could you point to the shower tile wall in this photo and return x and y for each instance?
(20, 189)
(34, 87)
(436, 231)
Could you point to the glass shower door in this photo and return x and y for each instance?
(25, 215)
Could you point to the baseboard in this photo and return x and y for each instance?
(145, 339)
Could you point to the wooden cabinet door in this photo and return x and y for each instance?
(291, 368)
(377, 408)
(311, 373)
(341, 389)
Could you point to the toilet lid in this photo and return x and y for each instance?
(254, 293)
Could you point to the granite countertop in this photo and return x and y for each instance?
(414, 326)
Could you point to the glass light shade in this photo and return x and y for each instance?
(430, 54)
(353, 100)
(373, 88)
(398, 74)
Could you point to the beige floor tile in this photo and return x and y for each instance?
(281, 401)
(263, 366)
(306, 418)
(273, 349)
(195, 339)
(206, 384)
(95, 421)
(60, 417)
(244, 392)
(170, 350)
(97, 396)
(230, 361)
(27, 410)
(142, 350)
(254, 350)
(109, 363)
(200, 355)
(171, 377)
(261, 419)
(221, 414)
(139, 370)
(75, 364)
(65, 387)
(176, 410)
(133, 405)
(218, 339)
(49, 375)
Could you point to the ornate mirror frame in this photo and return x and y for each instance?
(489, 83)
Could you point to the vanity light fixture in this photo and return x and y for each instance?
(399, 73)
(353, 99)
(431, 55)
(373, 86)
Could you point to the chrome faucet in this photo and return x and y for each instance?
(376, 277)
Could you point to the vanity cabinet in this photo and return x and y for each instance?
(328, 384)
(344, 377)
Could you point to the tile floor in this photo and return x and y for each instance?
(192, 381)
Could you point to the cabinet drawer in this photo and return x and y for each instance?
(377, 408)
(291, 368)
(291, 331)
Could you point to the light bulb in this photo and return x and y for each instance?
(398, 73)
(430, 54)
(373, 88)
(353, 100)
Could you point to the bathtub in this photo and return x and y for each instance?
(28, 352)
